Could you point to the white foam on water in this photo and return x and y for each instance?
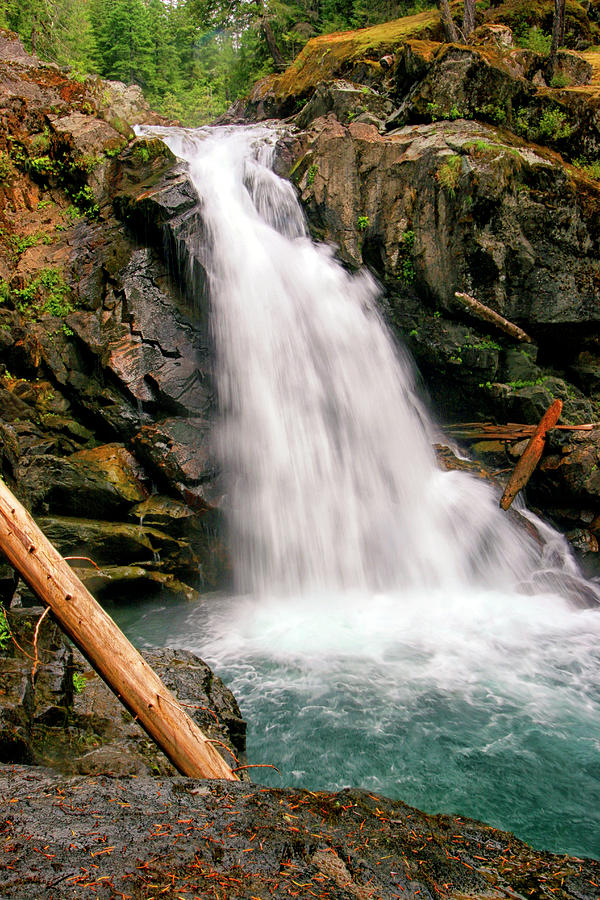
(371, 586)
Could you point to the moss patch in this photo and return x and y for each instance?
(327, 56)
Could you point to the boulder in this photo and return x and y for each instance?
(114, 542)
(66, 717)
(348, 101)
(178, 450)
(142, 836)
(107, 480)
(459, 206)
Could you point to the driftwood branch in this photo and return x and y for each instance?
(511, 432)
(485, 314)
(531, 455)
(105, 646)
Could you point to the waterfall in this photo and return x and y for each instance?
(381, 603)
(333, 483)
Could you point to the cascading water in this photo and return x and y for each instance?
(393, 629)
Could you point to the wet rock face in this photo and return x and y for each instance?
(182, 835)
(455, 205)
(105, 370)
(66, 717)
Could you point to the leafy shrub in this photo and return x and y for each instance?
(46, 293)
(553, 124)
(6, 167)
(535, 39)
(591, 168)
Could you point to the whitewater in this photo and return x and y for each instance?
(390, 627)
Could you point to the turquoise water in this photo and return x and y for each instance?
(407, 639)
(482, 708)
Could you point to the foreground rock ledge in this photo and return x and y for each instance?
(178, 837)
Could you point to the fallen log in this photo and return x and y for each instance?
(512, 431)
(485, 314)
(110, 653)
(531, 455)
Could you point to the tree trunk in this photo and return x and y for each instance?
(267, 32)
(468, 18)
(558, 27)
(485, 314)
(104, 645)
(531, 455)
(450, 29)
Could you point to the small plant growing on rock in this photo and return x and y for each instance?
(312, 173)
(85, 201)
(535, 39)
(6, 167)
(47, 294)
(591, 168)
(79, 682)
(362, 223)
(560, 80)
(553, 124)
(448, 174)
(4, 630)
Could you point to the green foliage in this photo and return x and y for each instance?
(495, 112)
(79, 682)
(553, 124)
(4, 630)
(591, 168)
(407, 269)
(535, 39)
(21, 244)
(433, 111)
(408, 273)
(408, 239)
(362, 223)
(42, 166)
(312, 173)
(6, 168)
(45, 294)
(447, 176)
(560, 80)
(84, 200)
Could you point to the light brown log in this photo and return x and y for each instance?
(531, 455)
(105, 646)
(512, 431)
(485, 314)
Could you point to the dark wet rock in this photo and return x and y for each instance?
(114, 542)
(68, 718)
(107, 480)
(348, 101)
(473, 202)
(125, 584)
(178, 834)
(179, 449)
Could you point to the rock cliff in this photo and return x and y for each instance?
(448, 167)
(105, 383)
